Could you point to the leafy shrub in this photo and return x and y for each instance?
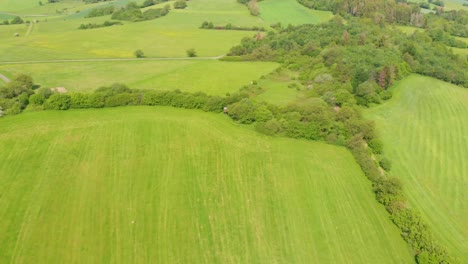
(376, 145)
(386, 164)
(191, 53)
(58, 101)
(139, 53)
(180, 4)
(14, 109)
(243, 111)
(101, 11)
(37, 99)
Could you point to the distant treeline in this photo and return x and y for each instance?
(401, 12)
(210, 25)
(94, 25)
(16, 20)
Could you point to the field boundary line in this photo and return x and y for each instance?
(111, 59)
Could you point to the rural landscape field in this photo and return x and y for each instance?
(233, 131)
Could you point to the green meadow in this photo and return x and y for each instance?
(209, 76)
(169, 36)
(425, 128)
(165, 185)
(290, 12)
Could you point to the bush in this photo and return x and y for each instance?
(139, 53)
(58, 102)
(14, 109)
(376, 145)
(243, 111)
(17, 20)
(37, 99)
(122, 99)
(386, 164)
(270, 127)
(191, 53)
(386, 95)
(180, 4)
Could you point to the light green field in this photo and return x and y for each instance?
(169, 36)
(455, 5)
(425, 130)
(277, 90)
(407, 29)
(211, 77)
(290, 12)
(462, 52)
(164, 185)
(63, 7)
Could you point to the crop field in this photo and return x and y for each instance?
(209, 76)
(165, 185)
(425, 131)
(290, 12)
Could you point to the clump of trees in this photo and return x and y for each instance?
(16, 20)
(252, 5)
(147, 3)
(101, 11)
(132, 12)
(14, 96)
(362, 54)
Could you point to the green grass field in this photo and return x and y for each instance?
(169, 36)
(212, 77)
(165, 185)
(277, 88)
(290, 12)
(425, 130)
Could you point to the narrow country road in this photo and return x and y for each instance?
(4, 78)
(105, 60)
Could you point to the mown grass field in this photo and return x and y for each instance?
(425, 130)
(209, 76)
(290, 12)
(165, 185)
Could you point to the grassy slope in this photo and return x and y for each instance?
(290, 12)
(164, 185)
(425, 128)
(212, 77)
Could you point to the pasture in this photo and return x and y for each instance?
(290, 12)
(425, 131)
(209, 76)
(165, 185)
